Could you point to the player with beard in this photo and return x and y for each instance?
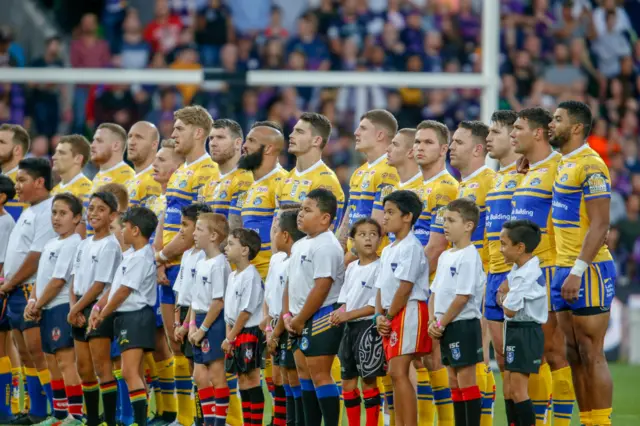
(107, 152)
(468, 152)
(14, 145)
(584, 282)
(225, 145)
(439, 188)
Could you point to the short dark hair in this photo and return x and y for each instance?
(364, 221)
(504, 117)
(248, 238)
(320, 125)
(441, 131)
(288, 222)
(74, 203)
(79, 146)
(478, 130)
(467, 208)
(38, 168)
(537, 118)
(108, 198)
(271, 124)
(407, 202)
(192, 211)
(382, 118)
(143, 218)
(327, 202)
(20, 136)
(234, 128)
(7, 187)
(523, 231)
(579, 113)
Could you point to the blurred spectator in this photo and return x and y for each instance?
(629, 227)
(310, 44)
(112, 21)
(15, 49)
(167, 104)
(187, 59)
(611, 46)
(135, 52)
(601, 20)
(186, 10)
(214, 30)
(164, 31)
(249, 17)
(561, 73)
(45, 99)
(275, 28)
(116, 104)
(39, 147)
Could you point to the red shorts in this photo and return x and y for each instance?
(409, 331)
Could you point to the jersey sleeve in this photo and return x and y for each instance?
(441, 198)
(133, 275)
(326, 262)
(409, 264)
(64, 264)
(466, 279)
(239, 187)
(218, 278)
(384, 184)
(252, 295)
(108, 262)
(595, 181)
(5, 232)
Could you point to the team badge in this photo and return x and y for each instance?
(365, 185)
(455, 353)
(498, 182)
(597, 183)
(471, 197)
(303, 195)
(511, 184)
(133, 194)
(55, 334)
(248, 354)
(564, 178)
(205, 346)
(304, 344)
(535, 182)
(393, 339)
(394, 266)
(224, 194)
(123, 338)
(182, 184)
(510, 357)
(453, 271)
(257, 201)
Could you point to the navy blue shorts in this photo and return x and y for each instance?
(492, 311)
(15, 307)
(157, 310)
(167, 295)
(4, 315)
(55, 331)
(210, 348)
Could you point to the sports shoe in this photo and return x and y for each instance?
(49, 421)
(71, 421)
(158, 421)
(23, 419)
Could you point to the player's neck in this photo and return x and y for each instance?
(316, 233)
(402, 234)
(374, 154)
(40, 198)
(509, 159)
(571, 146)
(10, 165)
(304, 161)
(229, 165)
(539, 154)
(99, 234)
(111, 162)
(69, 174)
(139, 243)
(365, 260)
(2, 211)
(463, 242)
(140, 167)
(267, 166)
(407, 171)
(471, 168)
(242, 264)
(211, 251)
(432, 170)
(524, 258)
(197, 152)
(67, 234)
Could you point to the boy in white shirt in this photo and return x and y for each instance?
(361, 353)
(49, 303)
(7, 192)
(96, 261)
(401, 300)
(132, 297)
(525, 308)
(287, 392)
(316, 273)
(243, 313)
(455, 305)
(206, 328)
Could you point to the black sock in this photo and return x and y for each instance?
(329, 400)
(299, 411)
(246, 406)
(138, 399)
(279, 416)
(198, 418)
(510, 412)
(459, 413)
(290, 407)
(91, 393)
(473, 411)
(526, 413)
(257, 405)
(110, 401)
(312, 413)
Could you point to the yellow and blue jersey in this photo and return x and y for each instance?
(121, 173)
(14, 207)
(476, 186)
(437, 192)
(296, 185)
(581, 176)
(416, 185)
(80, 186)
(223, 195)
(499, 205)
(532, 200)
(143, 189)
(258, 206)
(182, 191)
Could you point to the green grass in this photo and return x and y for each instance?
(626, 399)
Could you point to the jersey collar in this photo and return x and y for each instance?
(14, 170)
(149, 167)
(442, 173)
(576, 151)
(230, 172)
(202, 158)
(508, 166)
(377, 161)
(534, 165)
(112, 168)
(534, 262)
(474, 174)
(268, 175)
(72, 181)
(310, 169)
(413, 179)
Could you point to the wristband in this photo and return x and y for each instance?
(579, 268)
(185, 324)
(31, 301)
(269, 329)
(204, 328)
(162, 256)
(375, 318)
(96, 308)
(177, 324)
(438, 324)
(192, 323)
(287, 315)
(389, 317)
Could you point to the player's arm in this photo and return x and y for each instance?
(157, 241)
(598, 214)
(52, 289)
(215, 308)
(59, 277)
(241, 321)
(342, 234)
(365, 311)
(235, 221)
(118, 299)
(25, 271)
(400, 298)
(176, 247)
(91, 295)
(235, 213)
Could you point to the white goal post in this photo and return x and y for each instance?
(488, 80)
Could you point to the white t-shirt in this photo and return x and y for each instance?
(527, 293)
(187, 275)
(138, 272)
(359, 289)
(95, 261)
(56, 261)
(459, 272)
(6, 226)
(244, 293)
(313, 258)
(403, 261)
(31, 233)
(275, 283)
(211, 282)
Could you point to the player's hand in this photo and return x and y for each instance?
(264, 323)
(297, 325)
(338, 317)
(522, 165)
(434, 331)
(287, 324)
(504, 287)
(226, 347)
(571, 288)
(161, 275)
(272, 344)
(179, 333)
(197, 337)
(383, 326)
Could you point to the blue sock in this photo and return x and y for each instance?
(118, 375)
(5, 388)
(124, 402)
(37, 395)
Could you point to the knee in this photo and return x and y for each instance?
(573, 354)
(589, 353)
(85, 371)
(201, 377)
(130, 374)
(103, 368)
(397, 375)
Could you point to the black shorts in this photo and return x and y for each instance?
(461, 343)
(104, 330)
(55, 330)
(210, 348)
(247, 352)
(133, 329)
(186, 347)
(319, 337)
(361, 352)
(285, 354)
(523, 347)
(4, 314)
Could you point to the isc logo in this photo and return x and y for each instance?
(454, 345)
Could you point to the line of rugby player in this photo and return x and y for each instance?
(57, 290)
